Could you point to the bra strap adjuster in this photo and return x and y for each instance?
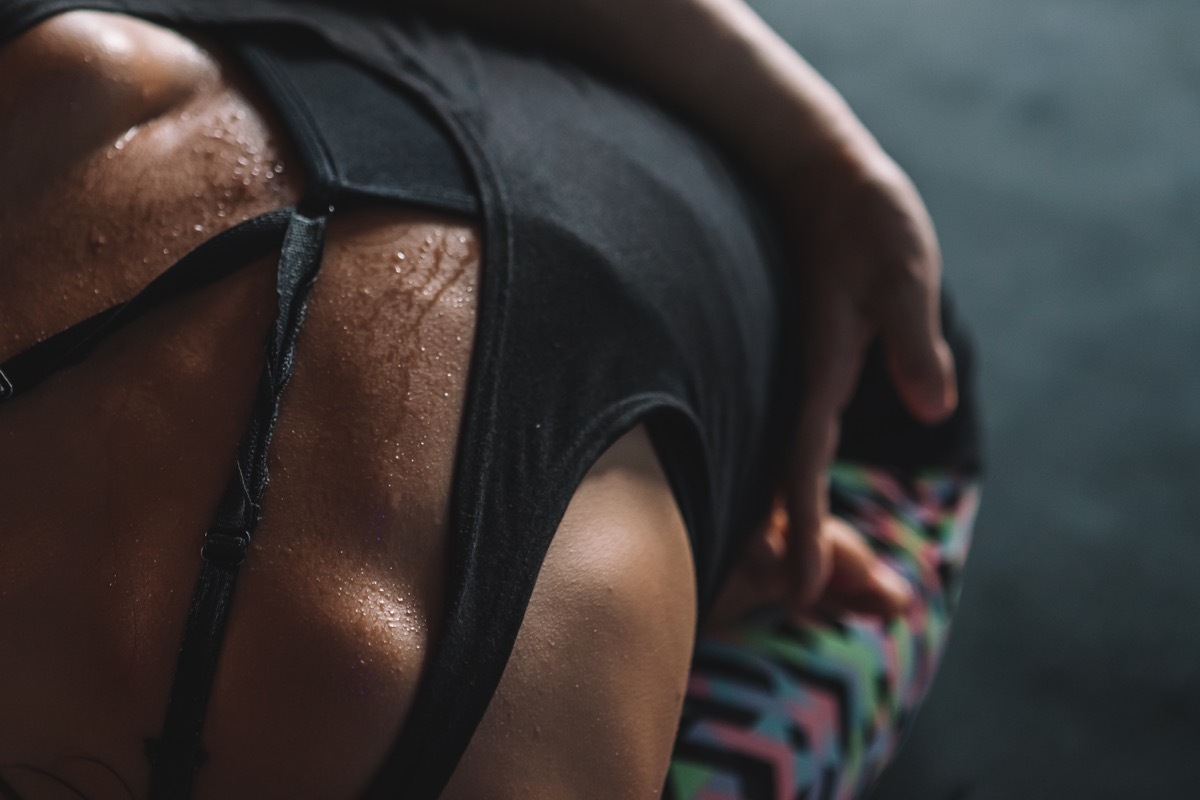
(224, 548)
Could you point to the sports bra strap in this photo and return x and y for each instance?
(177, 753)
(217, 258)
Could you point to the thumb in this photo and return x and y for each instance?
(919, 359)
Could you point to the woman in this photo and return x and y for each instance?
(453, 478)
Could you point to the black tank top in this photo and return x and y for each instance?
(624, 281)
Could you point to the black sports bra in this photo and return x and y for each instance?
(625, 281)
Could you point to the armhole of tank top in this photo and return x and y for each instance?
(493, 585)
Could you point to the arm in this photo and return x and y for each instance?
(715, 60)
(868, 256)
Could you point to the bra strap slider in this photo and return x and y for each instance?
(225, 549)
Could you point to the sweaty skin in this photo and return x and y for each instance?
(124, 146)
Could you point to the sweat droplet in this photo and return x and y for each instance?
(125, 138)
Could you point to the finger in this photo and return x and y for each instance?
(760, 578)
(810, 564)
(837, 341)
(807, 560)
(767, 550)
(919, 359)
(859, 579)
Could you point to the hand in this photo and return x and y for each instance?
(873, 269)
(852, 579)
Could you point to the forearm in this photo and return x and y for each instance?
(714, 60)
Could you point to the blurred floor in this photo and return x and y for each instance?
(1057, 143)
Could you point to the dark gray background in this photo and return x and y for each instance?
(1057, 143)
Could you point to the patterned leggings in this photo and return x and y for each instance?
(813, 711)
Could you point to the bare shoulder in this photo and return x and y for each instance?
(104, 73)
(590, 701)
(120, 149)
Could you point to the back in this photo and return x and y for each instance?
(618, 299)
(112, 468)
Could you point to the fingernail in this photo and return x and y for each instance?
(949, 389)
(939, 403)
(898, 590)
